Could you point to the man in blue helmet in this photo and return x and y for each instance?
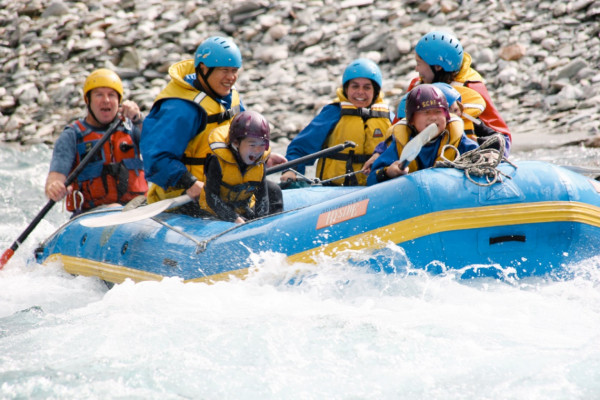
(357, 114)
(199, 98)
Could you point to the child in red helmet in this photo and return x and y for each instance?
(235, 186)
(425, 104)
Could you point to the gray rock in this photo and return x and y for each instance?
(295, 53)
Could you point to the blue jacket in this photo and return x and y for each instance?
(312, 138)
(167, 130)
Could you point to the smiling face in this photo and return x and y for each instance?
(422, 119)
(221, 79)
(360, 92)
(104, 104)
(251, 149)
(424, 70)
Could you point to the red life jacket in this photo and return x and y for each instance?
(114, 175)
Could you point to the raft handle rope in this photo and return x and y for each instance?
(480, 162)
(77, 201)
(200, 246)
(318, 182)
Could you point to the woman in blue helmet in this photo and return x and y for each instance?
(200, 97)
(440, 58)
(358, 114)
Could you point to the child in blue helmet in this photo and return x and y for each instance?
(358, 114)
(425, 104)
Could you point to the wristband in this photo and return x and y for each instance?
(381, 175)
(187, 180)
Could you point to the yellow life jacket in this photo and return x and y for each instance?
(237, 188)
(366, 127)
(452, 136)
(197, 149)
(473, 105)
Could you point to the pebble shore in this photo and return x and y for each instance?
(540, 59)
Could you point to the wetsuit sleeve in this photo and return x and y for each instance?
(312, 138)
(212, 187)
(65, 152)
(466, 144)
(136, 134)
(167, 130)
(381, 147)
(261, 203)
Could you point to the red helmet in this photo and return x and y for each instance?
(249, 124)
(423, 97)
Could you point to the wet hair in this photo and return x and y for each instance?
(443, 76)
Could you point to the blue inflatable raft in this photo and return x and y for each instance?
(536, 220)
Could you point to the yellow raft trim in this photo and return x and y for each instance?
(399, 232)
(459, 219)
(117, 273)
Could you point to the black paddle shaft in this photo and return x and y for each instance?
(310, 157)
(72, 176)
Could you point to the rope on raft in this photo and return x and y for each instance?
(480, 162)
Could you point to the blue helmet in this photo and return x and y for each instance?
(218, 51)
(401, 112)
(362, 68)
(451, 94)
(441, 48)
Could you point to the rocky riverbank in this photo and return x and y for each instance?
(540, 58)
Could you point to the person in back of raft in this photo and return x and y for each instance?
(440, 58)
(200, 97)
(235, 185)
(115, 175)
(358, 114)
(425, 104)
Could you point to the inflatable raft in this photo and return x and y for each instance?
(535, 220)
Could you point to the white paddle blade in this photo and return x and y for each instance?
(413, 147)
(137, 214)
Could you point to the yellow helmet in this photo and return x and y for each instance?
(103, 78)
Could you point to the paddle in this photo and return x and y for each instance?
(72, 176)
(154, 209)
(414, 146)
(310, 157)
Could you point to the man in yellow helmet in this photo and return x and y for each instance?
(115, 174)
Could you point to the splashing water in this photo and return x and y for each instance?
(332, 329)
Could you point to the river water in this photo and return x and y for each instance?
(342, 333)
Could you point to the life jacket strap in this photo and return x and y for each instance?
(365, 113)
(193, 160)
(224, 116)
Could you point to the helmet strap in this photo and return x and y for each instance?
(206, 87)
(90, 112)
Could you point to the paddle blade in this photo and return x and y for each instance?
(5, 257)
(137, 214)
(414, 146)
